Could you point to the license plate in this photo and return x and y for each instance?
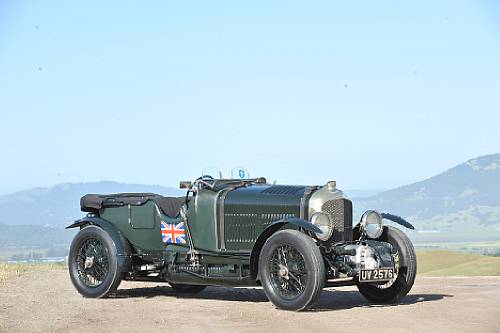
(375, 275)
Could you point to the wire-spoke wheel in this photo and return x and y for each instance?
(287, 271)
(92, 262)
(291, 270)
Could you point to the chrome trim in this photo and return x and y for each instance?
(220, 234)
(157, 210)
(303, 201)
(320, 196)
(129, 214)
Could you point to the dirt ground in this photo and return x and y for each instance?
(46, 301)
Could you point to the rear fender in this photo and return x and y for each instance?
(268, 232)
(122, 245)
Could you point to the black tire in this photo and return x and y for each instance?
(285, 290)
(103, 276)
(187, 288)
(406, 273)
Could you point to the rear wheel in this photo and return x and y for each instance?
(92, 262)
(291, 270)
(187, 288)
(405, 269)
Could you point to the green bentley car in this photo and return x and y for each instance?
(291, 240)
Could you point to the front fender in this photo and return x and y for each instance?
(398, 219)
(122, 246)
(271, 229)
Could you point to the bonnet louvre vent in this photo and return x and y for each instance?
(284, 190)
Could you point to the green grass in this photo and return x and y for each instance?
(9, 271)
(483, 247)
(6, 255)
(446, 263)
(27, 253)
(431, 263)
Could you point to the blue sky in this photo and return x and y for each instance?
(372, 94)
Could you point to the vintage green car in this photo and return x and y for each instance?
(291, 240)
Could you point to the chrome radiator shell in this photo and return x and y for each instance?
(338, 207)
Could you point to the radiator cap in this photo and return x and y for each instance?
(332, 185)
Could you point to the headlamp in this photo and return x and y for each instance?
(323, 222)
(371, 224)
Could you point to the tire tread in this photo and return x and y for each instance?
(318, 269)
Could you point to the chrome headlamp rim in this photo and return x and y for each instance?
(364, 224)
(324, 236)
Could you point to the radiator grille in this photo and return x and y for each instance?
(340, 212)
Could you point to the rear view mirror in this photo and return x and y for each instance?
(185, 184)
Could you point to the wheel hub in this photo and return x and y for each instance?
(283, 271)
(287, 271)
(92, 262)
(89, 262)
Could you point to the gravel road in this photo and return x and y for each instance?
(47, 302)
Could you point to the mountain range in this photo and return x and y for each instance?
(463, 201)
(60, 204)
(465, 198)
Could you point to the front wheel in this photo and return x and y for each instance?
(405, 268)
(292, 271)
(93, 265)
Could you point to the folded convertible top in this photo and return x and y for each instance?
(93, 203)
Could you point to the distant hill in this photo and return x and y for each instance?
(60, 204)
(460, 204)
(464, 197)
(361, 193)
(22, 236)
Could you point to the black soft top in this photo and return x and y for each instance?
(93, 203)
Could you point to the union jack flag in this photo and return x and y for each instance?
(173, 233)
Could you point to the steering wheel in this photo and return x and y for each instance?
(202, 178)
(205, 177)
